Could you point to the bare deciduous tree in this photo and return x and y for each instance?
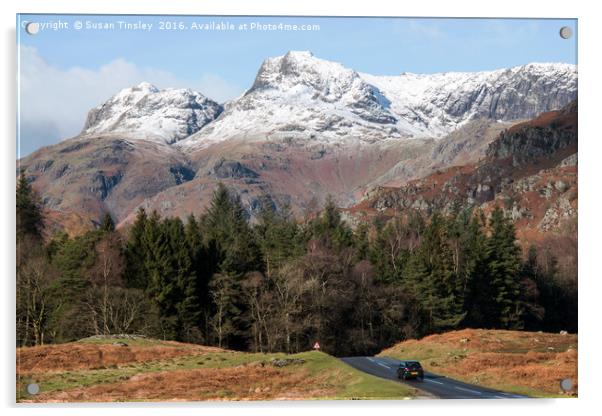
(222, 294)
(105, 275)
(35, 301)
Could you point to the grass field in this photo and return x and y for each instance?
(150, 370)
(530, 363)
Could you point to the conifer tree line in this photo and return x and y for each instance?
(280, 284)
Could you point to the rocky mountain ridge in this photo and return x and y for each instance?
(305, 129)
(530, 170)
(144, 111)
(300, 97)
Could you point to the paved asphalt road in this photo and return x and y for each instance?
(439, 386)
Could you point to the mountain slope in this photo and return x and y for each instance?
(300, 97)
(306, 128)
(117, 369)
(465, 145)
(531, 363)
(81, 179)
(529, 170)
(434, 105)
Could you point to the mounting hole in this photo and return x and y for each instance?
(566, 32)
(566, 384)
(32, 28)
(33, 388)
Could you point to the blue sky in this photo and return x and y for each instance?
(65, 72)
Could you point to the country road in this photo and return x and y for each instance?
(439, 386)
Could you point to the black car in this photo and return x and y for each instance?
(410, 369)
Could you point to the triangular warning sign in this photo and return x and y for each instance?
(316, 346)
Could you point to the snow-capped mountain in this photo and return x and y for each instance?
(166, 115)
(303, 97)
(299, 96)
(306, 128)
(435, 105)
(306, 97)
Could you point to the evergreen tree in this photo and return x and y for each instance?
(473, 273)
(279, 237)
(29, 211)
(330, 227)
(193, 234)
(362, 242)
(158, 270)
(172, 279)
(225, 227)
(530, 272)
(58, 239)
(226, 232)
(74, 259)
(504, 262)
(185, 295)
(107, 224)
(431, 278)
(204, 263)
(136, 252)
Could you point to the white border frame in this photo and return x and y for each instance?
(589, 231)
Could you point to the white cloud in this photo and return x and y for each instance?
(60, 98)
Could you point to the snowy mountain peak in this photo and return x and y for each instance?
(135, 93)
(300, 96)
(301, 68)
(146, 86)
(436, 104)
(306, 97)
(299, 55)
(144, 111)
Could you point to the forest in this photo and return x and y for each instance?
(280, 283)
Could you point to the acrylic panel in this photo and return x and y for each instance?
(285, 208)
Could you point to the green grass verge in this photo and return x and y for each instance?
(351, 383)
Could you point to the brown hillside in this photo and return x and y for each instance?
(87, 356)
(531, 363)
(127, 368)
